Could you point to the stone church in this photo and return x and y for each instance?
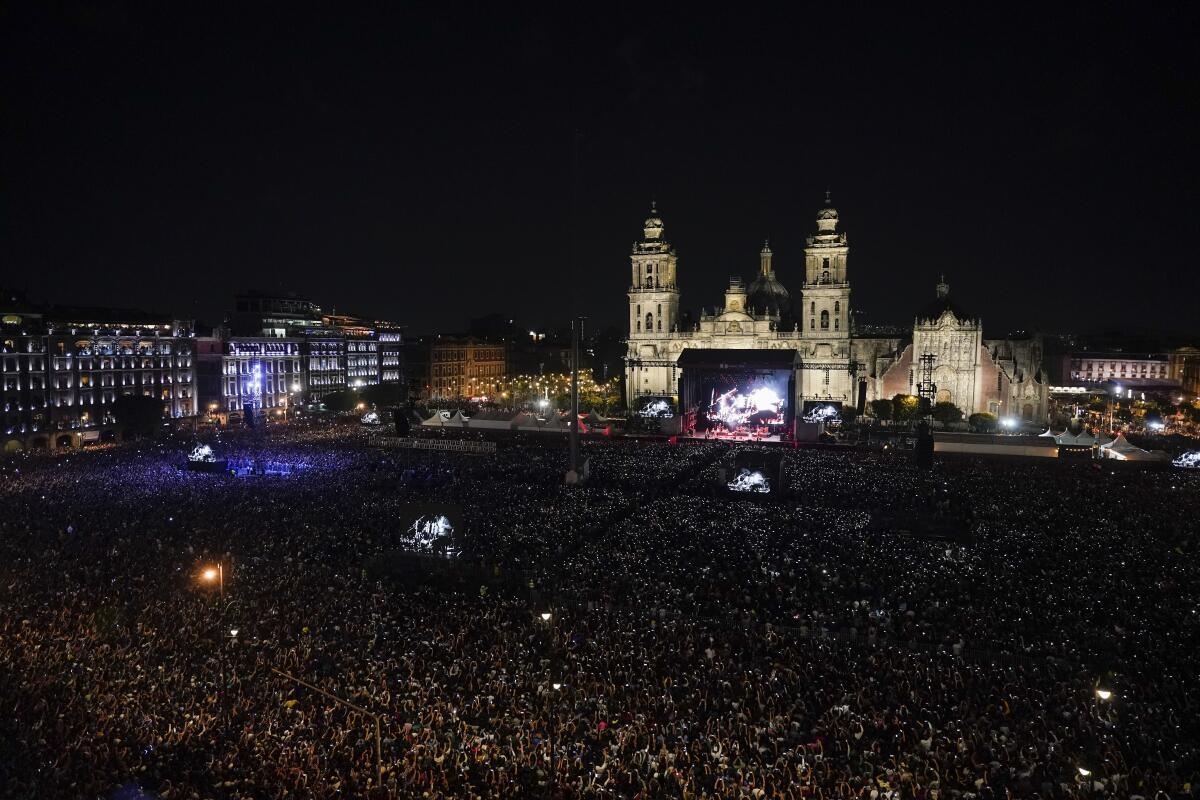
(837, 362)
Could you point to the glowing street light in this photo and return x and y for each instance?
(217, 573)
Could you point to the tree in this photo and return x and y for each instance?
(906, 407)
(140, 415)
(947, 413)
(881, 410)
(983, 422)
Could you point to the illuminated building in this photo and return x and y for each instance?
(837, 363)
(64, 368)
(1089, 367)
(464, 367)
(1185, 369)
(336, 351)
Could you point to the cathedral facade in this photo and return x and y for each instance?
(837, 363)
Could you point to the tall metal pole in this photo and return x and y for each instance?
(576, 320)
(576, 324)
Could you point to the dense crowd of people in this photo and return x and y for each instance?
(644, 635)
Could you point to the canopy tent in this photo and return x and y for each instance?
(1123, 450)
(1049, 434)
(494, 420)
(526, 422)
(1067, 438)
(436, 420)
(554, 422)
(593, 418)
(457, 421)
(1085, 438)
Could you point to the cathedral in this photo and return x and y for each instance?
(944, 355)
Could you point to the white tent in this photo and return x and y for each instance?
(436, 420)
(1122, 450)
(527, 422)
(1085, 438)
(494, 420)
(456, 421)
(1049, 434)
(554, 422)
(1066, 437)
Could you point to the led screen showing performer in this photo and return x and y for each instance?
(735, 402)
(431, 528)
(820, 411)
(202, 453)
(748, 480)
(1188, 460)
(656, 408)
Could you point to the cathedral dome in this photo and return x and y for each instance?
(769, 295)
(827, 217)
(653, 226)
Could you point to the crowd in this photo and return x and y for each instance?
(641, 636)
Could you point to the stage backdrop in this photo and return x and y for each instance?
(734, 389)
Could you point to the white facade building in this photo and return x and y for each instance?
(1002, 376)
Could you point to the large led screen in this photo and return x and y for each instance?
(743, 401)
(431, 528)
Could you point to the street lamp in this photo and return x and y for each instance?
(216, 574)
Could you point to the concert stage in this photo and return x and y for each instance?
(738, 395)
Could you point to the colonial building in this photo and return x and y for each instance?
(64, 368)
(837, 364)
(464, 367)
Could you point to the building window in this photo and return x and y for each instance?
(824, 319)
(649, 322)
(812, 323)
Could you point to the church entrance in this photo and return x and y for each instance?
(943, 396)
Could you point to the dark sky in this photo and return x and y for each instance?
(416, 165)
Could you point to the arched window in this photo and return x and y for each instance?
(837, 323)
(812, 323)
(837, 308)
(639, 326)
(649, 322)
(824, 319)
(812, 307)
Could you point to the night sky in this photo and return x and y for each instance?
(417, 166)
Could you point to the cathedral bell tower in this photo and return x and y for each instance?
(653, 291)
(653, 315)
(824, 313)
(826, 308)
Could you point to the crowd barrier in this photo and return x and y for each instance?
(444, 445)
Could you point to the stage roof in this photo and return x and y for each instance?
(701, 358)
